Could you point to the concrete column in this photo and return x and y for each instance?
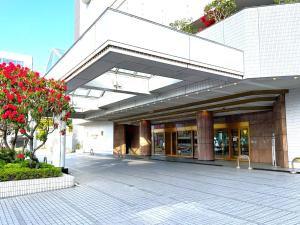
(205, 135)
(119, 140)
(280, 131)
(145, 138)
(59, 146)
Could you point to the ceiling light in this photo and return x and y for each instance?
(186, 95)
(296, 78)
(208, 89)
(274, 78)
(235, 84)
(221, 86)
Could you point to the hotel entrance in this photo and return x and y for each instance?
(231, 140)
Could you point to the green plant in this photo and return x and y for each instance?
(7, 155)
(20, 173)
(220, 9)
(2, 163)
(286, 1)
(184, 25)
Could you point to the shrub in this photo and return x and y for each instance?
(220, 9)
(2, 163)
(16, 172)
(7, 155)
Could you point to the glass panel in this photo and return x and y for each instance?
(221, 146)
(184, 143)
(159, 143)
(195, 143)
(244, 141)
(235, 143)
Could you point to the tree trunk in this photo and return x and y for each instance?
(32, 154)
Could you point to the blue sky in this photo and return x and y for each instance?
(34, 27)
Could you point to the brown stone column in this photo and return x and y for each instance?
(145, 138)
(205, 135)
(280, 132)
(119, 140)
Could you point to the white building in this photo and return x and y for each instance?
(16, 58)
(146, 89)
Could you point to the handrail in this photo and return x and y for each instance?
(293, 166)
(243, 157)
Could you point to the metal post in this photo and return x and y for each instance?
(274, 162)
(243, 157)
(293, 166)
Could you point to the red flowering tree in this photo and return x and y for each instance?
(26, 99)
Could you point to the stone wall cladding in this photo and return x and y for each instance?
(261, 129)
(24, 187)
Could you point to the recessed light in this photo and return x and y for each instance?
(208, 89)
(296, 78)
(274, 78)
(186, 95)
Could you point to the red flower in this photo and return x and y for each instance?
(22, 131)
(20, 156)
(20, 84)
(40, 109)
(10, 97)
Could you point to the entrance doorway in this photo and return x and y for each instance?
(231, 140)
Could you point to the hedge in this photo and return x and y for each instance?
(22, 173)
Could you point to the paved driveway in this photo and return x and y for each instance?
(155, 192)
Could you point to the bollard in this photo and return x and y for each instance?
(293, 166)
(243, 157)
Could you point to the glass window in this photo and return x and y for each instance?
(159, 143)
(184, 143)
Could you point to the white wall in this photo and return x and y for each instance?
(293, 123)
(160, 11)
(96, 135)
(269, 37)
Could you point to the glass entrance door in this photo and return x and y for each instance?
(231, 140)
(244, 142)
(235, 143)
(221, 146)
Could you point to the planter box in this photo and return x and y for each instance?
(24, 187)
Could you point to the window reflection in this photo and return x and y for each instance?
(159, 143)
(184, 143)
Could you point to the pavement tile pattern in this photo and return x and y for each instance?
(113, 191)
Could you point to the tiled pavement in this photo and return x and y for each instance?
(157, 192)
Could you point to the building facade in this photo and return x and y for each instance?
(149, 90)
(16, 58)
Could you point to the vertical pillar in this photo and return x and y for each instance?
(280, 131)
(145, 138)
(119, 140)
(63, 138)
(59, 146)
(205, 135)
